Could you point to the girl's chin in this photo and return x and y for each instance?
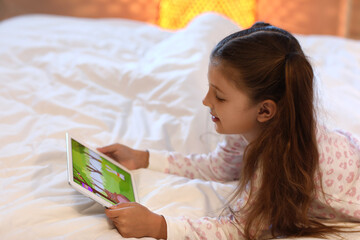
(218, 128)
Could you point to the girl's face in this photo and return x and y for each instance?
(231, 109)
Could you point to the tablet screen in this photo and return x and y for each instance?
(100, 176)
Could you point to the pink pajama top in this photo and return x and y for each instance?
(339, 167)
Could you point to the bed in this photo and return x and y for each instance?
(117, 80)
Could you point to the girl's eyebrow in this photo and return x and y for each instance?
(214, 86)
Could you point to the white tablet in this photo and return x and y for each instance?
(97, 176)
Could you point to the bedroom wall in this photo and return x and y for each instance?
(141, 10)
(354, 29)
(332, 17)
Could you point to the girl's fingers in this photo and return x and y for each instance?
(110, 213)
(108, 149)
(115, 211)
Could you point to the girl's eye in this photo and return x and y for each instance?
(219, 99)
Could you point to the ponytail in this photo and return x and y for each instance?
(299, 90)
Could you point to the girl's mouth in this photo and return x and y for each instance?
(214, 119)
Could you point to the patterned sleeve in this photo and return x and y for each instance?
(223, 164)
(203, 228)
(223, 227)
(340, 174)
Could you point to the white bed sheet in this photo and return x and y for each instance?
(117, 80)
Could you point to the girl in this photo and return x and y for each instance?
(292, 172)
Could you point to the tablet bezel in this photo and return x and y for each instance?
(82, 190)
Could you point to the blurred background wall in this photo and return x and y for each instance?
(330, 17)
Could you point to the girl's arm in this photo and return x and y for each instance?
(135, 220)
(223, 164)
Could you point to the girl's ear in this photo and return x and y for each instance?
(266, 110)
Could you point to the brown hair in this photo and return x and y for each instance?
(272, 65)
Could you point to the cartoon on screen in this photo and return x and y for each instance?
(100, 176)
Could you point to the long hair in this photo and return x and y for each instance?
(271, 65)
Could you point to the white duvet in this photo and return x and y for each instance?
(108, 81)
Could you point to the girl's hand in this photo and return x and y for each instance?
(128, 157)
(134, 220)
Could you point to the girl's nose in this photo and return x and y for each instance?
(205, 101)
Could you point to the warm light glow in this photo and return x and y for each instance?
(175, 14)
